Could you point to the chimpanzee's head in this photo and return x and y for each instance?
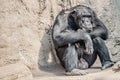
(84, 17)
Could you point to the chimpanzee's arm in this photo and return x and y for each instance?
(99, 30)
(62, 37)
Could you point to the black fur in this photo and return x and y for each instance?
(65, 37)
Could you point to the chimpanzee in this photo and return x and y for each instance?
(78, 36)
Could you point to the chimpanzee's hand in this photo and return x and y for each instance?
(88, 42)
(89, 49)
(89, 46)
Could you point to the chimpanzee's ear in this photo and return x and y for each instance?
(94, 17)
(74, 13)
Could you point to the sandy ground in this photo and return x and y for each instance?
(56, 72)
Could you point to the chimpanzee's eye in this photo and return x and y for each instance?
(86, 16)
(89, 16)
(82, 21)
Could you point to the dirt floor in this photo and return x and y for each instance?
(56, 72)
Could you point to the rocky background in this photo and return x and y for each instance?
(25, 31)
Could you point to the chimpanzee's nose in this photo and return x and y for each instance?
(88, 31)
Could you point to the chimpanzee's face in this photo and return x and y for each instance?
(84, 19)
(85, 22)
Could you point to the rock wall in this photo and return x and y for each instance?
(25, 25)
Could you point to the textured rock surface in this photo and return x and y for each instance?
(116, 67)
(16, 71)
(25, 29)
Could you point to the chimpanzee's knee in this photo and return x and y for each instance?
(70, 58)
(98, 43)
(98, 40)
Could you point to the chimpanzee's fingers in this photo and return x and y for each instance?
(91, 51)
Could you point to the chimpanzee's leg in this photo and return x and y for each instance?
(90, 58)
(70, 58)
(102, 51)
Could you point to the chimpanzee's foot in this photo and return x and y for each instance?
(107, 65)
(76, 72)
(82, 64)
